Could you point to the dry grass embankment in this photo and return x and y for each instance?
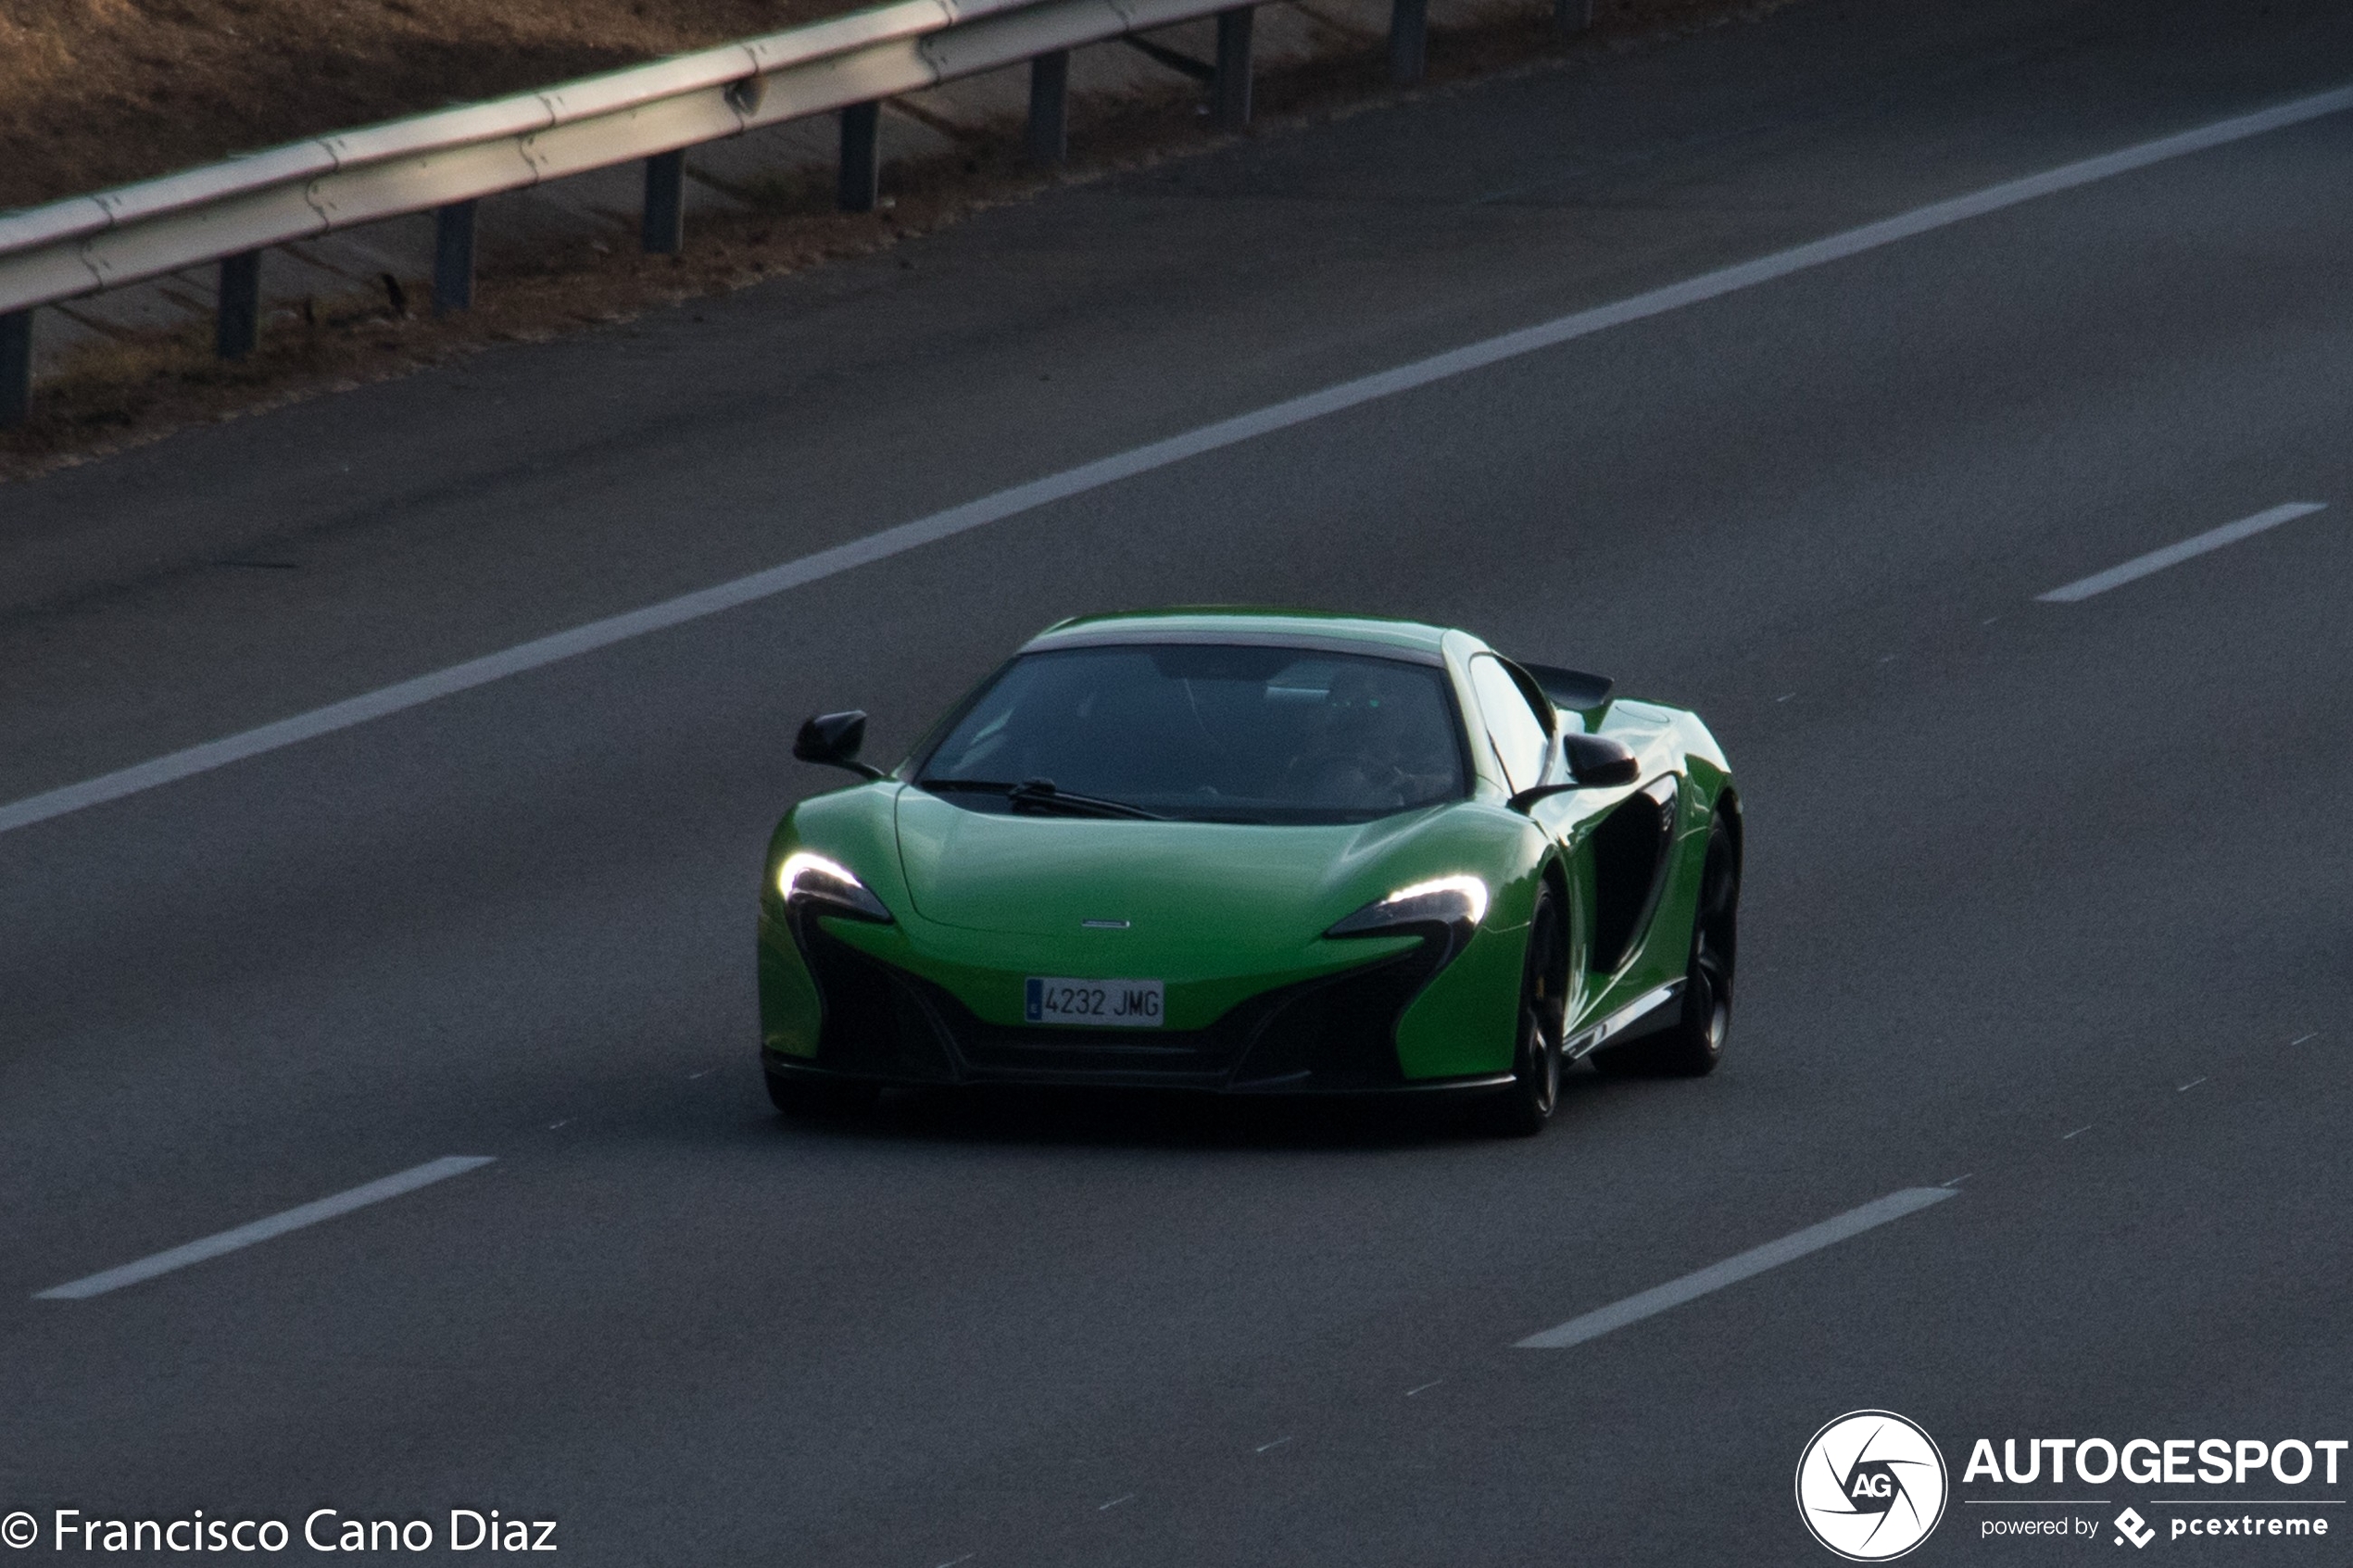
(99, 93)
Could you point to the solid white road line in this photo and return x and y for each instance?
(262, 1230)
(2173, 555)
(1109, 470)
(1732, 1270)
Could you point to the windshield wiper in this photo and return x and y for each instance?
(1040, 795)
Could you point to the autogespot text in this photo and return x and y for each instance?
(322, 1530)
(2149, 1461)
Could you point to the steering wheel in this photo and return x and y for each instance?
(1361, 776)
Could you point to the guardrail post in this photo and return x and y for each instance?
(1233, 67)
(236, 324)
(16, 368)
(665, 215)
(861, 156)
(1050, 108)
(1573, 15)
(453, 257)
(1408, 40)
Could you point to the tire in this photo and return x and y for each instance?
(813, 1098)
(1695, 1044)
(1524, 1109)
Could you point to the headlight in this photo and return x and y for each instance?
(1456, 902)
(821, 886)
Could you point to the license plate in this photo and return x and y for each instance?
(1100, 1004)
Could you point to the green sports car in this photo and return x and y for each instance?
(1257, 852)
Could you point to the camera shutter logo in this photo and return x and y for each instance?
(1871, 1486)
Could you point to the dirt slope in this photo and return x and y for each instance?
(97, 92)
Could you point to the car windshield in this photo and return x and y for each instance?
(1204, 733)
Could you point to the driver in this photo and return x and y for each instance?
(1375, 747)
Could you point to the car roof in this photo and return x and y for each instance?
(1241, 623)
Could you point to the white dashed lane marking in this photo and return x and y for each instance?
(2173, 555)
(198, 1251)
(1732, 1270)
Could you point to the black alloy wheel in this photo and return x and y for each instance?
(1523, 1109)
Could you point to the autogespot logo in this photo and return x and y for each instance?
(1870, 1485)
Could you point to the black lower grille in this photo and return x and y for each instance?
(875, 1024)
(1335, 1033)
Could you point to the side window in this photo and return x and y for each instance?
(1519, 734)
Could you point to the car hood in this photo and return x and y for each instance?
(1172, 882)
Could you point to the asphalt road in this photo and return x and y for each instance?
(2044, 899)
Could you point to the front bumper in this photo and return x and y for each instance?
(1334, 1033)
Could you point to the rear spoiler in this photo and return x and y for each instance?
(1573, 689)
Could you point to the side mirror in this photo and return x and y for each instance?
(833, 739)
(1594, 763)
(1599, 762)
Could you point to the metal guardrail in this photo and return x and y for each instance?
(445, 161)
